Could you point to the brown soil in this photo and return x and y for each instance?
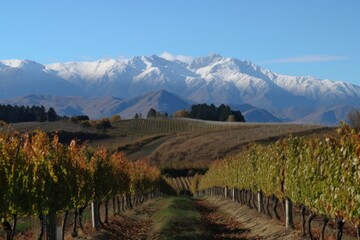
(131, 225)
(223, 219)
(197, 149)
(257, 224)
(222, 225)
(123, 227)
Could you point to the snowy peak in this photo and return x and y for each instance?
(26, 65)
(205, 61)
(211, 79)
(88, 70)
(23, 77)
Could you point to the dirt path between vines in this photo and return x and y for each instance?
(220, 217)
(130, 225)
(254, 224)
(222, 225)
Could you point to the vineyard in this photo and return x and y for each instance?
(196, 149)
(156, 126)
(182, 185)
(42, 177)
(174, 143)
(318, 174)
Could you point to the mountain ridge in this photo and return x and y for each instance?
(210, 79)
(96, 108)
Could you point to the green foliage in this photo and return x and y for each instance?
(15, 114)
(181, 114)
(322, 174)
(52, 115)
(353, 118)
(79, 118)
(39, 175)
(115, 118)
(179, 215)
(151, 113)
(213, 113)
(195, 183)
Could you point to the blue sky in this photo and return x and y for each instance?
(320, 38)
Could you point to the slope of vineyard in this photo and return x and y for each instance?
(323, 174)
(175, 143)
(196, 149)
(180, 185)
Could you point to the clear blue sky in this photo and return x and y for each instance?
(320, 38)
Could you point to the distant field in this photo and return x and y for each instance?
(177, 143)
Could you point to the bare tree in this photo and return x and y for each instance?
(354, 119)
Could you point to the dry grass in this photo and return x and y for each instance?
(177, 143)
(198, 149)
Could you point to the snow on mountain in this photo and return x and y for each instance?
(321, 91)
(254, 84)
(22, 77)
(211, 79)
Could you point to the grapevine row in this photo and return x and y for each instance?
(40, 176)
(321, 174)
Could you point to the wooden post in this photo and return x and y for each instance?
(95, 215)
(226, 191)
(289, 222)
(233, 194)
(260, 201)
(54, 230)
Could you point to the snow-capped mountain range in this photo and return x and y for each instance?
(211, 79)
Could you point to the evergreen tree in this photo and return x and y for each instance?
(51, 115)
(238, 116)
(152, 113)
(213, 113)
(14, 114)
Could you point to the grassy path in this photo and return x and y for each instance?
(184, 218)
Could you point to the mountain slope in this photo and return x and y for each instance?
(162, 101)
(210, 79)
(18, 78)
(95, 108)
(327, 115)
(254, 114)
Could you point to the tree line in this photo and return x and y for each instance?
(15, 114)
(200, 111)
(211, 113)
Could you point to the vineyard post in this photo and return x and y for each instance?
(233, 194)
(226, 191)
(53, 229)
(260, 201)
(289, 222)
(95, 214)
